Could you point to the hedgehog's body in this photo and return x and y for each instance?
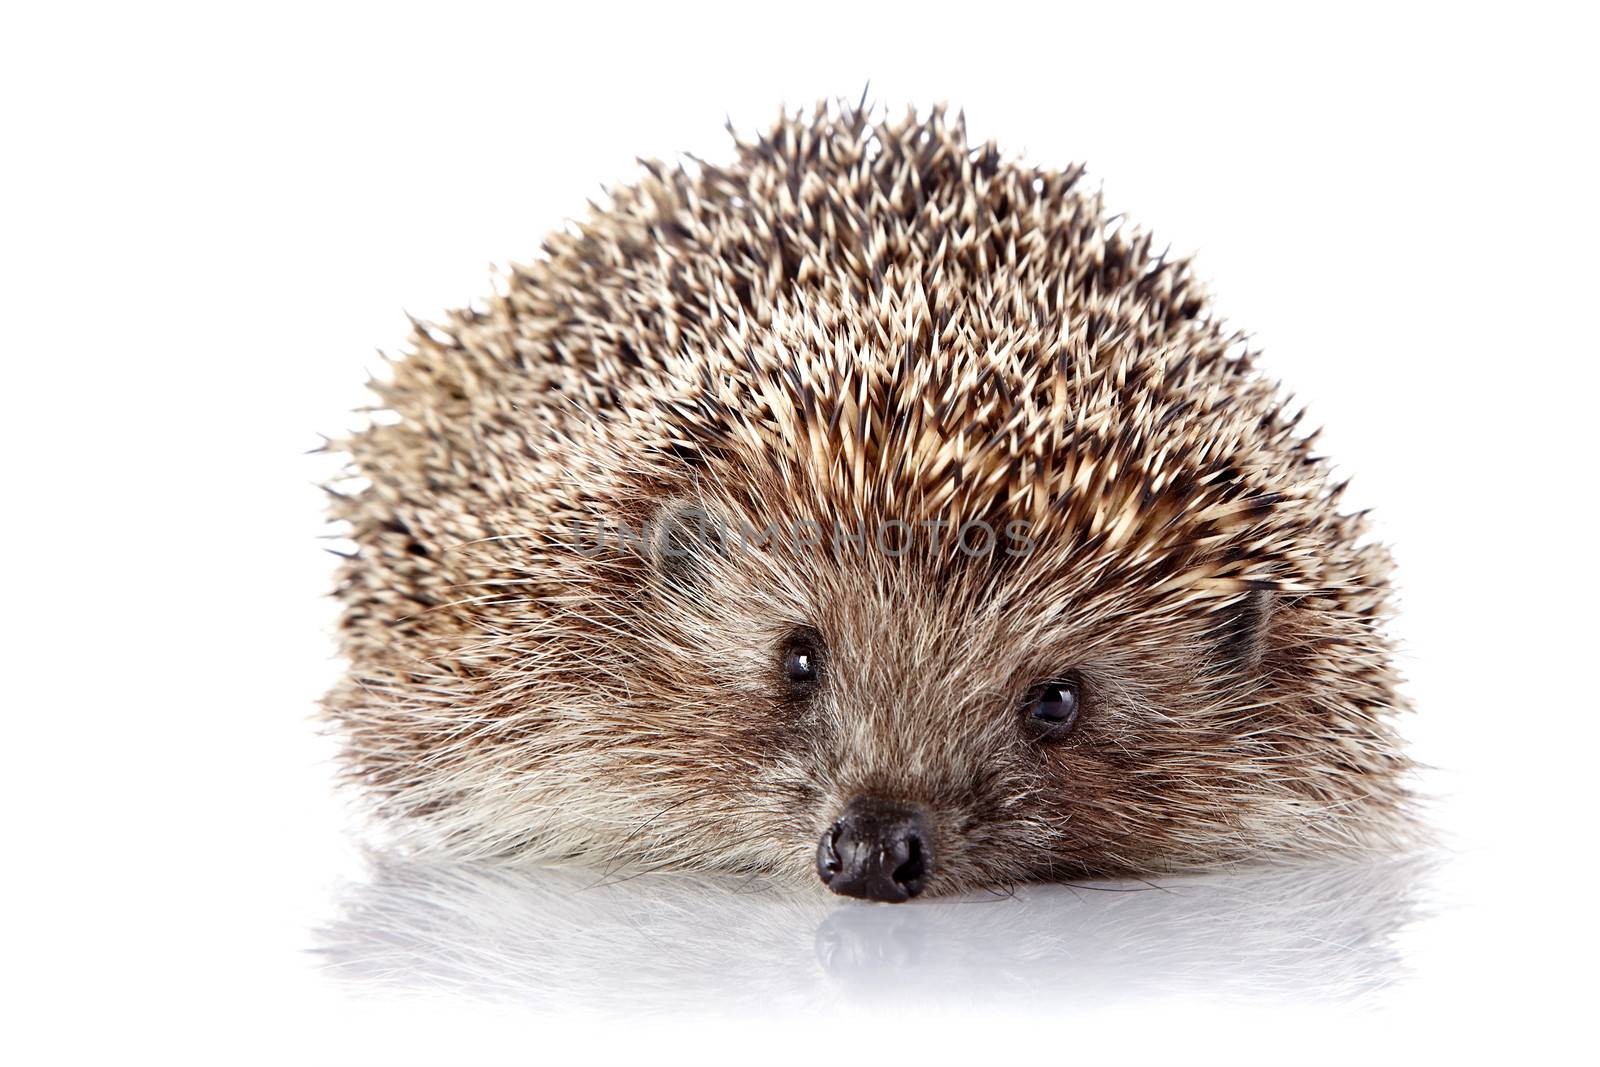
(1167, 654)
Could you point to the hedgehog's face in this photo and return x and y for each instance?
(935, 723)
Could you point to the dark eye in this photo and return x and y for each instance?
(1053, 706)
(800, 662)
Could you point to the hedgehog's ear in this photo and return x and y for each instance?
(1246, 626)
(682, 539)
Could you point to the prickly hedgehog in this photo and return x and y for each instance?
(872, 506)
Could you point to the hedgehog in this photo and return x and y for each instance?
(871, 508)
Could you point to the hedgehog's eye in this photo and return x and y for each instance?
(802, 658)
(800, 663)
(1053, 707)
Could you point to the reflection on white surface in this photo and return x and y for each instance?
(563, 939)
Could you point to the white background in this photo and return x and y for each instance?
(211, 221)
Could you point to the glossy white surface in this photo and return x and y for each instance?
(210, 219)
(562, 940)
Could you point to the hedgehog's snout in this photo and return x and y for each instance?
(876, 851)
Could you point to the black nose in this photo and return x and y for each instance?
(876, 851)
